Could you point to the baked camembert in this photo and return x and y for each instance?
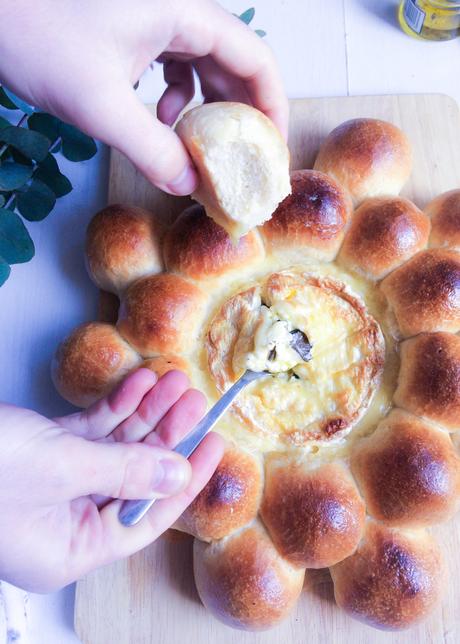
(299, 401)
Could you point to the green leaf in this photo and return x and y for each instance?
(45, 124)
(31, 144)
(260, 32)
(76, 146)
(13, 175)
(48, 172)
(16, 246)
(36, 202)
(18, 102)
(4, 123)
(5, 101)
(5, 271)
(247, 15)
(20, 158)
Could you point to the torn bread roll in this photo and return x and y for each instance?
(242, 160)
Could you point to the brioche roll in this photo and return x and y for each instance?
(445, 220)
(199, 248)
(429, 379)
(122, 244)
(408, 472)
(230, 499)
(161, 314)
(368, 157)
(314, 516)
(244, 582)
(312, 220)
(393, 580)
(384, 233)
(242, 160)
(90, 362)
(424, 293)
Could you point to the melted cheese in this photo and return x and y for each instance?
(318, 401)
(234, 427)
(271, 349)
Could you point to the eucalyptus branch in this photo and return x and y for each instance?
(4, 148)
(13, 195)
(30, 178)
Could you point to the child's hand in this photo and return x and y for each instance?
(80, 60)
(52, 530)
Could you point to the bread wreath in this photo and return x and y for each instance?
(269, 514)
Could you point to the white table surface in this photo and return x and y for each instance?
(324, 48)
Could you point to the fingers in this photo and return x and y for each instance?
(122, 542)
(153, 407)
(118, 470)
(179, 420)
(101, 418)
(218, 85)
(240, 52)
(180, 90)
(120, 119)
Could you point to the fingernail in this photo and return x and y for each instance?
(185, 183)
(170, 477)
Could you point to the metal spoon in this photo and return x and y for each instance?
(131, 512)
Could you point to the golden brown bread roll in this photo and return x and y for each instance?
(393, 580)
(314, 516)
(229, 501)
(444, 211)
(312, 220)
(424, 293)
(90, 362)
(242, 160)
(161, 314)
(384, 233)
(199, 248)
(429, 379)
(122, 244)
(243, 580)
(408, 472)
(368, 157)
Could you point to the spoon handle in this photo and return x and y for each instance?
(131, 512)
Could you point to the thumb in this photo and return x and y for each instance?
(123, 122)
(117, 470)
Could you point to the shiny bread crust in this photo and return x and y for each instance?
(393, 580)
(368, 157)
(384, 233)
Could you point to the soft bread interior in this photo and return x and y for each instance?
(243, 164)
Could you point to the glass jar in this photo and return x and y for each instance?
(430, 19)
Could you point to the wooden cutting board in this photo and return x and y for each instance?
(151, 598)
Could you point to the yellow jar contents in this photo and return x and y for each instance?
(430, 19)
